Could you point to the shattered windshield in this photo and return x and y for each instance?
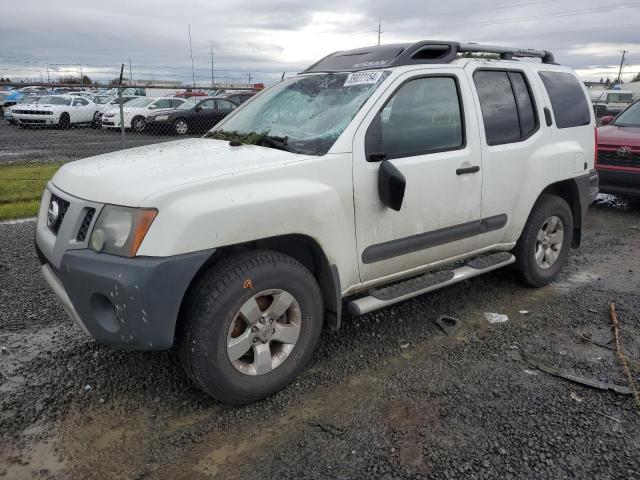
(304, 114)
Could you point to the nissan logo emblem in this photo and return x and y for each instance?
(624, 152)
(53, 212)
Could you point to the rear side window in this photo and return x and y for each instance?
(508, 111)
(569, 103)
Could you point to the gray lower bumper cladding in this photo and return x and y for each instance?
(127, 302)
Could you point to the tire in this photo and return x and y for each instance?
(138, 124)
(64, 123)
(180, 126)
(539, 257)
(97, 120)
(211, 322)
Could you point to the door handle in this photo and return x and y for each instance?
(463, 170)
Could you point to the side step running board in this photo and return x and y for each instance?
(406, 289)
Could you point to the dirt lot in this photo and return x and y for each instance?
(389, 396)
(52, 145)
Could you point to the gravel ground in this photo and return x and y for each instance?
(19, 145)
(389, 396)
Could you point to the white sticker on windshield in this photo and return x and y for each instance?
(362, 78)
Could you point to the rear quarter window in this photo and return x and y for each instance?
(569, 103)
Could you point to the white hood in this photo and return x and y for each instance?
(129, 176)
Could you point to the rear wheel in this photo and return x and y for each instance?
(250, 325)
(180, 126)
(545, 241)
(64, 123)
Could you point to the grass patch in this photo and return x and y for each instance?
(21, 187)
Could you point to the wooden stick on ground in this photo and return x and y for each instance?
(614, 324)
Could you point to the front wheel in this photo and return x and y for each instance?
(250, 325)
(64, 123)
(544, 244)
(181, 127)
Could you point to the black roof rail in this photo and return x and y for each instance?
(423, 52)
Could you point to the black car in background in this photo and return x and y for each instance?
(196, 115)
(239, 98)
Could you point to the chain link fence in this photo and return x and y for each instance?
(57, 123)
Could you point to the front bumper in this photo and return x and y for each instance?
(153, 124)
(126, 302)
(35, 119)
(619, 182)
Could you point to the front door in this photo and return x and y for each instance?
(425, 127)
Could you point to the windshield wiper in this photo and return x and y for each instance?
(253, 138)
(278, 142)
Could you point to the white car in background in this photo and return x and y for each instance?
(60, 110)
(106, 103)
(136, 111)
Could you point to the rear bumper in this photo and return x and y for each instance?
(126, 302)
(620, 182)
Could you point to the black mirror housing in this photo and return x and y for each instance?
(391, 185)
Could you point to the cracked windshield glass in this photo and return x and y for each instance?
(304, 114)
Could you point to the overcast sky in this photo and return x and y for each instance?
(265, 38)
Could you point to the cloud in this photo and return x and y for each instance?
(268, 37)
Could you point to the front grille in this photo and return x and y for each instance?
(32, 112)
(54, 221)
(611, 157)
(86, 222)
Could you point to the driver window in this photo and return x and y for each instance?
(423, 116)
(207, 105)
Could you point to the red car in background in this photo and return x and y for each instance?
(618, 159)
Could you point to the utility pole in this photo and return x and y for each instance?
(81, 76)
(130, 75)
(379, 31)
(48, 80)
(213, 83)
(249, 79)
(624, 52)
(193, 72)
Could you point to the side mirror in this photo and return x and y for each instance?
(607, 119)
(198, 108)
(152, 107)
(391, 185)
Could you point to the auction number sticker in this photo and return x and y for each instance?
(362, 78)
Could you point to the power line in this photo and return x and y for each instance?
(544, 16)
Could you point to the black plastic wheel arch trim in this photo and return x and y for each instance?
(421, 241)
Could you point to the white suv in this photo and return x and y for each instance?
(386, 172)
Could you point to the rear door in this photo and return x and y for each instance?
(517, 156)
(424, 125)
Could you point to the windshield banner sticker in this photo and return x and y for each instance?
(362, 78)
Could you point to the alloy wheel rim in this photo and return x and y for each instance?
(264, 332)
(181, 127)
(549, 242)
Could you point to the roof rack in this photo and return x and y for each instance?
(423, 52)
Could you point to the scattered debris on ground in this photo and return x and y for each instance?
(559, 372)
(449, 325)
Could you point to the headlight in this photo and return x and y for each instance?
(120, 230)
(161, 117)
